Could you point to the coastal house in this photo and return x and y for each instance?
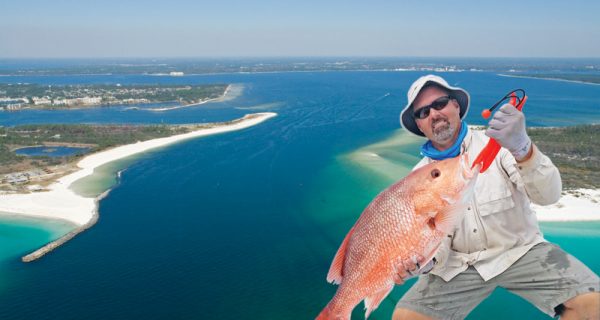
(35, 188)
(16, 178)
(59, 102)
(14, 106)
(91, 100)
(41, 101)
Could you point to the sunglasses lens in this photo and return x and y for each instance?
(440, 103)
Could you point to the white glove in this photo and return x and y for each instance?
(411, 268)
(508, 128)
(424, 269)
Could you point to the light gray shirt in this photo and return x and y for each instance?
(499, 225)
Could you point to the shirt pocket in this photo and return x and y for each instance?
(494, 201)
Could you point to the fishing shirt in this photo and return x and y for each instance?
(499, 225)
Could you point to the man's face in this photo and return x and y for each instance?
(441, 126)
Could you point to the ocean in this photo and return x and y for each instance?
(244, 225)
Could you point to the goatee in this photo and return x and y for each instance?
(442, 132)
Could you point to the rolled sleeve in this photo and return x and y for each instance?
(541, 178)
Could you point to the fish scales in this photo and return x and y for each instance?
(400, 229)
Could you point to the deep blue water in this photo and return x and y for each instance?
(50, 151)
(241, 225)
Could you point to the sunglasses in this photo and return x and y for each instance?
(438, 104)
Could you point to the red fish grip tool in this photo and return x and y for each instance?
(489, 152)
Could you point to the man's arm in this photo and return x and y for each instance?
(541, 178)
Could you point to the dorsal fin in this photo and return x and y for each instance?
(336, 274)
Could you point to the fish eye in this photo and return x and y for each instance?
(435, 173)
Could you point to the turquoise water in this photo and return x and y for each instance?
(360, 172)
(244, 225)
(50, 151)
(20, 236)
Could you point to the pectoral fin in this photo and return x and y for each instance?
(448, 219)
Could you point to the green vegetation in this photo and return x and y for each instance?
(574, 150)
(81, 95)
(7, 157)
(95, 136)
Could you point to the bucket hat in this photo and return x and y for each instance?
(406, 116)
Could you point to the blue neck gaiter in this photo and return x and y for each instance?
(428, 150)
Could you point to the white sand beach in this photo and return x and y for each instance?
(60, 202)
(231, 92)
(579, 205)
(549, 79)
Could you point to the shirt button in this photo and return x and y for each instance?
(474, 230)
(469, 208)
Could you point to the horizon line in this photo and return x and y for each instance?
(293, 57)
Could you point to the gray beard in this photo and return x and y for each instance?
(443, 132)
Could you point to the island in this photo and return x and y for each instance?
(23, 95)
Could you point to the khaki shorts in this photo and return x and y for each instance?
(546, 276)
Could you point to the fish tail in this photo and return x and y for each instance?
(329, 314)
(325, 314)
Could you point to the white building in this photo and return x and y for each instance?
(91, 100)
(14, 106)
(59, 102)
(43, 100)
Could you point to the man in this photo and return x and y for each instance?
(498, 243)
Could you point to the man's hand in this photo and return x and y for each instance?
(508, 128)
(406, 269)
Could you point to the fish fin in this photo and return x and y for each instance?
(373, 301)
(335, 273)
(449, 200)
(324, 315)
(327, 314)
(447, 220)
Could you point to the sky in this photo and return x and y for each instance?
(282, 28)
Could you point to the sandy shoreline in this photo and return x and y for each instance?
(585, 206)
(221, 98)
(60, 202)
(550, 79)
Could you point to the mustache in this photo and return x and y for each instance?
(436, 120)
